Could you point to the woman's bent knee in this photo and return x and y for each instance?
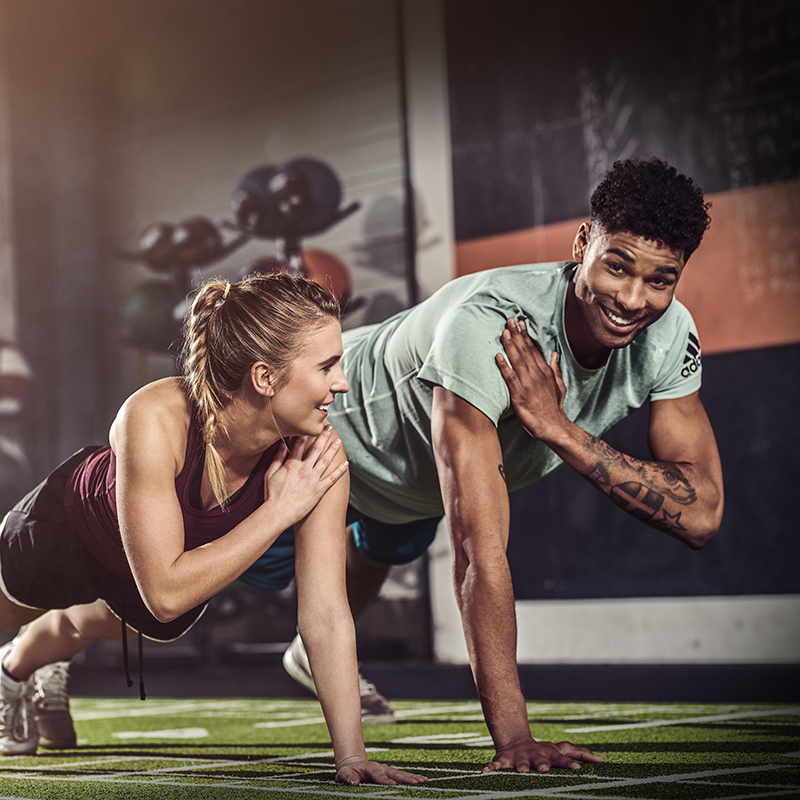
(87, 623)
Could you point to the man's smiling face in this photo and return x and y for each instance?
(623, 283)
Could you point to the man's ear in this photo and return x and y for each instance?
(581, 242)
(262, 378)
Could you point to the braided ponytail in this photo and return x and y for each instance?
(233, 326)
(199, 378)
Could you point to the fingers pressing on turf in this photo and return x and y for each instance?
(364, 771)
(535, 756)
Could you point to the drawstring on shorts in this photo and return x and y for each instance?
(128, 680)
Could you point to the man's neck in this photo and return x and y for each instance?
(588, 352)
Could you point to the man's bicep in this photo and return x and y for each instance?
(459, 425)
(470, 465)
(680, 431)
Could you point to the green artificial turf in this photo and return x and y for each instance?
(270, 749)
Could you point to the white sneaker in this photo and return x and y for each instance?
(375, 708)
(19, 735)
(51, 706)
(295, 662)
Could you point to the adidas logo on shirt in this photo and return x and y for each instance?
(691, 361)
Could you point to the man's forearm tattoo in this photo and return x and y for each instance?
(502, 472)
(644, 498)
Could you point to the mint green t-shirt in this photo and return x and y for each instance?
(450, 340)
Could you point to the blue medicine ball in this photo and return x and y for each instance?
(298, 198)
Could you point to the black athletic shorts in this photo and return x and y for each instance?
(45, 564)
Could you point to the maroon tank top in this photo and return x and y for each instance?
(90, 501)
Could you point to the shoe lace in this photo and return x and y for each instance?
(17, 719)
(50, 686)
(365, 687)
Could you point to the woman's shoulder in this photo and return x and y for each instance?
(165, 397)
(161, 408)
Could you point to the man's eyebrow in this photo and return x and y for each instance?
(621, 253)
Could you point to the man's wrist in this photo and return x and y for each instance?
(558, 437)
(507, 743)
(350, 761)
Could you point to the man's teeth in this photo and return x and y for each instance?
(618, 320)
(324, 407)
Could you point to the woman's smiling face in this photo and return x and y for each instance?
(300, 402)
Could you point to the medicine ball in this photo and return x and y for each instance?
(196, 242)
(155, 247)
(298, 198)
(322, 267)
(148, 318)
(329, 271)
(251, 205)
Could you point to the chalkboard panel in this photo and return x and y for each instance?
(545, 97)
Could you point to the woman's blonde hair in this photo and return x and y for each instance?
(230, 327)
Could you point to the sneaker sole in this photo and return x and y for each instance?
(380, 719)
(21, 751)
(298, 673)
(58, 744)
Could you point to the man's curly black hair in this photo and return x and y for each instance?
(651, 199)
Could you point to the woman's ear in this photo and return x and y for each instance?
(262, 378)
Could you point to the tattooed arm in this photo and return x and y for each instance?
(678, 492)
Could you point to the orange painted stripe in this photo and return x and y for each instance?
(742, 285)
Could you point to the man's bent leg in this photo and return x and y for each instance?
(365, 577)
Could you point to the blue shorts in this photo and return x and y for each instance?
(378, 541)
(391, 544)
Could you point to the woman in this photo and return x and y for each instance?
(203, 474)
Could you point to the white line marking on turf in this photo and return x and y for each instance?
(73, 764)
(177, 733)
(185, 707)
(401, 714)
(687, 720)
(15, 797)
(289, 723)
(393, 792)
(462, 739)
(436, 711)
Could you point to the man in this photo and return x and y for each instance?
(438, 422)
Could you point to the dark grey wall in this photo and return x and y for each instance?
(569, 541)
(545, 96)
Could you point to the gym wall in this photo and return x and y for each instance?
(117, 115)
(543, 99)
(125, 114)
